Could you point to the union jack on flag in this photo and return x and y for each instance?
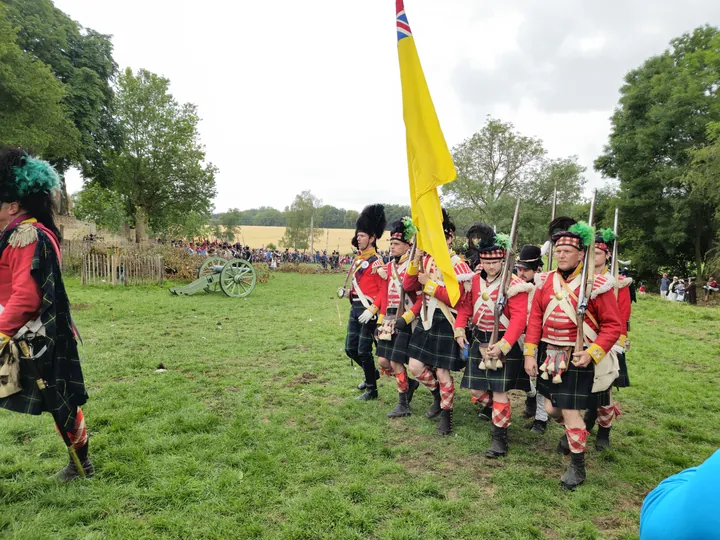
(403, 28)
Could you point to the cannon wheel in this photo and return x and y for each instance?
(207, 269)
(238, 278)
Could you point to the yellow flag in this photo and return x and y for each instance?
(429, 161)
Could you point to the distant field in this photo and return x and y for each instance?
(331, 239)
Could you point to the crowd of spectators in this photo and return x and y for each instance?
(273, 257)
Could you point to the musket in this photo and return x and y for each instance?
(505, 279)
(552, 217)
(42, 386)
(586, 283)
(401, 307)
(614, 263)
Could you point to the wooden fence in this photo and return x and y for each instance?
(127, 269)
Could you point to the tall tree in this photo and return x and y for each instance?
(499, 164)
(661, 121)
(160, 166)
(81, 60)
(32, 112)
(299, 219)
(494, 162)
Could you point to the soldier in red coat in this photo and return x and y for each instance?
(39, 361)
(486, 381)
(604, 242)
(396, 310)
(433, 345)
(550, 339)
(366, 284)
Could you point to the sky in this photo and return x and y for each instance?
(306, 95)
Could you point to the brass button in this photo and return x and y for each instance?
(485, 296)
(559, 296)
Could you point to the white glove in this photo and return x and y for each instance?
(366, 316)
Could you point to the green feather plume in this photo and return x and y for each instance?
(584, 231)
(608, 235)
(410, 228)
(503, 240)
(35, 176)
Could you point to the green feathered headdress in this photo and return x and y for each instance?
(503, 240)
(584, 231)
(410, 228)
(35, 176)
(608, 235)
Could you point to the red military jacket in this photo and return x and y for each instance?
(478, 305)
(365, 275)
(393, 275)
(555, 299)
(20, 295)
(435, 288)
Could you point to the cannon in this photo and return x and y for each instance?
(236, 278)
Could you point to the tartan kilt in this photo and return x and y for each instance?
(511, 377)
(575, 390)
(436, 347)
(395, 350)
(623, 380)
(359, 338)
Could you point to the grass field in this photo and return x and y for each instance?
(254, 431)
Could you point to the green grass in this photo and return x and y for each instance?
(254, 431)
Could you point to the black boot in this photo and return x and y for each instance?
(370, 393)
(590, 418)
(434, 409)
(70, 471)
(563, 448)
(412, 386)
(402, 408)
(602, 440)
(575, 474)
(445, 426)
(530, 407)
(363, 385)
(539, 426)
(499, 445)
(485, 413)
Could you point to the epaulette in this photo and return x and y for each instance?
(23, 235)
(377, 263)
(462, 270)
(518, 285)
(540, 279)
(602, 284)
(624, 281)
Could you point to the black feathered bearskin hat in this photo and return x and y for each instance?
(482, 238)
(403, 230)
(565, 231)
(530, 257)
(448, 224)
(371, 222)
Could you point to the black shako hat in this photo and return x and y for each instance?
(530, 258)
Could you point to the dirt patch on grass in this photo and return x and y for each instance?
(307, 378)
(80, 307)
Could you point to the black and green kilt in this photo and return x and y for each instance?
(575, 390)
(623, 380)
(436, 347)
(511, 377)
(359, 337)
(395, 350)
